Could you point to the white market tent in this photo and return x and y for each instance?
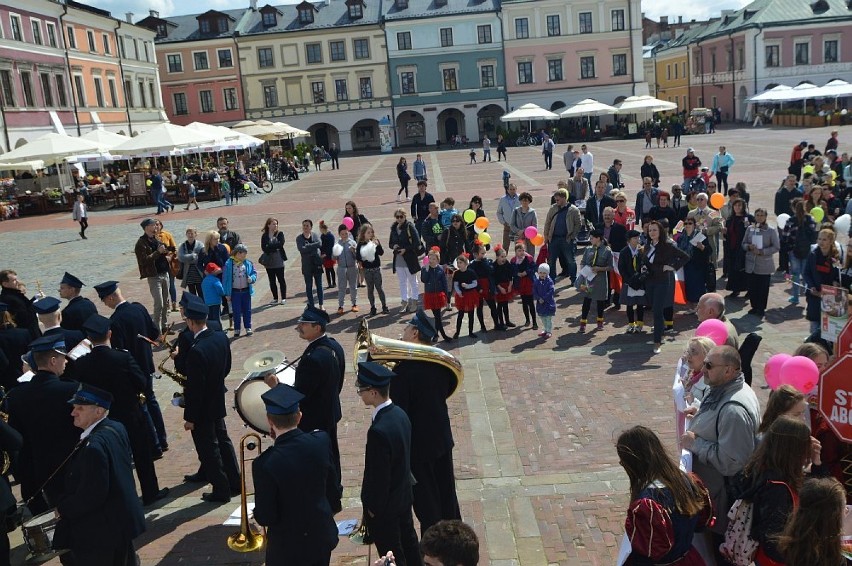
(644, 104)
(588, 107)
(770, 95)
(165, 139)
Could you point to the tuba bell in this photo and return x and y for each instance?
(389, 352)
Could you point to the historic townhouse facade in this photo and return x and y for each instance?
(199, 65)
(320, 67)
(69, 67)
(445, 62)
(671, 65)
(558, 53)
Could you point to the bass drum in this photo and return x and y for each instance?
(247, 399)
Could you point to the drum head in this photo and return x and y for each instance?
(250, 406)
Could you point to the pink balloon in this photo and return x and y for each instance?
(348, 222)
(800, 372)
(714, 329)
(772, 370)
(531, 232)
(425, 260)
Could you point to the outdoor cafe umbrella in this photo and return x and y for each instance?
(529, 112)
(588, 107)
(644, 103)
(254, 129)
(770, 95)
(162, 140)
(835, 89)
(51, 148)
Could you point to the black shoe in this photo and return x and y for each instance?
(472, 335)
(535, 326)
(164, 447)
(214, 498)
(447, 338)
(162, 494)
(373, 311)
(385, 310)
(511, 324)
(157, 455)
(195, 478)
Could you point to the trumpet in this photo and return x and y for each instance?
(248, 539)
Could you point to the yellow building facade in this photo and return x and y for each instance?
(672, 75)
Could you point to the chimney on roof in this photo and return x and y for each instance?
(128, 16)
(154, 13)
(253, 5)
(680, 19)
(664, 21)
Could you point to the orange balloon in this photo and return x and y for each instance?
(538, 240)
(227, 247)
(481, 223)
(717, 201)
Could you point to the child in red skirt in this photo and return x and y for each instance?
(503, 281)
(435, 289)
(525, 271)
(484, 269)
(328, 262)
(466, 294)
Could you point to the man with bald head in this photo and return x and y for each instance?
(712, 305)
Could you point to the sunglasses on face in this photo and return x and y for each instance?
(399, 217)
(620, 200)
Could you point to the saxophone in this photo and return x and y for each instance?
(178, 377)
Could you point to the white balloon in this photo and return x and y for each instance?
(782, 220)
(477, 229)
(336, 250)
(842, 224)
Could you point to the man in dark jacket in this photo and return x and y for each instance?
(99, 513)
(784, 205)
(294, 482)
(19, 306)
(151, 257)
(386, 495)
(79, 308)
(421, 389)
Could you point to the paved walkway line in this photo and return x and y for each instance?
(363, 179)
(518, 174)
(437, 178)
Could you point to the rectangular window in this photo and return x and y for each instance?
(107, 49)
(740, 58)
(27, 84)
(99, 92)
(269, 18)
(60, 91)
(17, 34)
(206, 97)
(619, 64)
(365, 85)
(226, 60)
(204, 26)
(553, 27)
(669, 72)
(121, 50)
(270, 96)
(128, 93)
(151, 95)
(554, 69)
(264, 58)
(340, 90)
(337, 50)
(483, 34)
(773, 55)
(486, 76)
(200, 59)
(142, 102)
(361, 47)
(446, 37)
(313, 52)
(51, 34)
(81, 92)
(175, 63)
(617, 20)
(803, 54)
(403, 40)
(682, 70)
(450, 80)
(8, 90)
(230, 96)
(36, 25)
(585, 22)
(47, 92)
(90, 35)
(587, 67)
(113, 93)
(135, 49)
(318, 92)
(180, 104)
(675, 71)
(406, 81)
(830, 51)
(525, 74)
(72, 39)
(522, 28)
(147, 54)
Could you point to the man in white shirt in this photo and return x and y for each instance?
(588, 163)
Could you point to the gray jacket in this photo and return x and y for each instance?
(189, 260)
(716, 457)
(761, 262)
(521, 221)
(505, 208)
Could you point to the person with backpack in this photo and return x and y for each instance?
(797, 237)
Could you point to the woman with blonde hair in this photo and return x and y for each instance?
(821, 268)
(218, 253)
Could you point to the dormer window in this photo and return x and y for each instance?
(356, 9)
(306, 13)
(223, 25)
(269, 19)
(162, 30)
(204, 26)
(403, 4)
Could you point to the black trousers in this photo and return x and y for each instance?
(758, 291)
(140, 447)
(277, 274)
(435, 496)
(104, 553)
(217, 456)
(397, 534)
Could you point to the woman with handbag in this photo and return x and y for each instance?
(308, 243)
(661, 259)
(188, 253)
(273, 258)
(405, 243)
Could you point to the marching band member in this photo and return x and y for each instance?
(79, 308)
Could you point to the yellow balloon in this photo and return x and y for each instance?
(485, 238)
(816, 212)
(469, 215)
(149, 182)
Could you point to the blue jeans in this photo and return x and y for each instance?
(564, 250)
(310, 280)
(162, 203)
(241, 306)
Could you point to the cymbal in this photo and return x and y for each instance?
(267, 360)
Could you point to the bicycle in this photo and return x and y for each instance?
(527, 139)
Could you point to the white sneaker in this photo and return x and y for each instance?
(273, 302)
(282, 302)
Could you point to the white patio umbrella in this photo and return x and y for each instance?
(32, 165)
(835, 89)
(294, 132)
(588, 107)
(770, 95)
(644, 103)
(164, 140)
(254, 129)
(107, 140)
(529, 112)
(51, 148)
(801, 92)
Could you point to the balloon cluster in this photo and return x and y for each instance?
(531, 233)
(798, 371)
